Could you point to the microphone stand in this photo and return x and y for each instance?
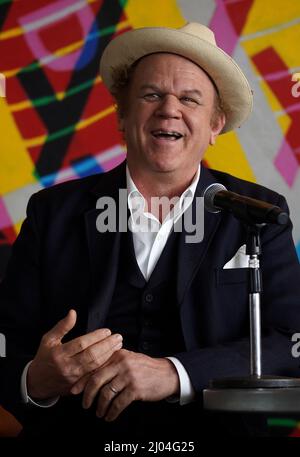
(254, 393)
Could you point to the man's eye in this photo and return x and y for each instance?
(189, 100)
(151, 96)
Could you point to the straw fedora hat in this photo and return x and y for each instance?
(195, 42)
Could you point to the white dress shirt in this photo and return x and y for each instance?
(149, 244)
(149, 239)
(149, 235)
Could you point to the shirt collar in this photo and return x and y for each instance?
(187, 195)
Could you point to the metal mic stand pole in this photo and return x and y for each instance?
(254, 393)
(253, 248)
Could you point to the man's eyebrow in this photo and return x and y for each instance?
(150, 86)
(196, 92)
(193, 92)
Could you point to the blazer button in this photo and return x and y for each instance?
(148, 322)
(149, 298)
(145, 345)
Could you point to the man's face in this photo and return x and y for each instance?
(167, 121)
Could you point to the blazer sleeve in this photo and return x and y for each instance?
(20, 306)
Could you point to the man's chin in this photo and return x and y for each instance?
(165, 168)
(165, 162)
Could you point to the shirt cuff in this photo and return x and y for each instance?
(26, 398)
(187, 392)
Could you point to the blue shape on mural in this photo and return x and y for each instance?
(83, 167)
(48, 180)
(87, 166)
(89, 49)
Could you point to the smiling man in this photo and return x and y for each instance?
(116, 334)
(169, 123)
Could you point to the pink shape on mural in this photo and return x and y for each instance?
(39, 50)
(226, 36)
(286, 163)
(5, 220)
(113, 162)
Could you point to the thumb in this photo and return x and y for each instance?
(56, 334)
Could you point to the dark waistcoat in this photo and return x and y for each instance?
(146, 312)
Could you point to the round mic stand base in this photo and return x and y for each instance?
(263, 394)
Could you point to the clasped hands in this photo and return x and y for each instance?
(97, 365)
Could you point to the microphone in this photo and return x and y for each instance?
(250, 210)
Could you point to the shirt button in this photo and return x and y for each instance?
(149, 298)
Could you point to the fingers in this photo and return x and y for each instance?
(96, 382)
(127, 377)
(91, 363)
(94, 356)
(82, 342)
(56, 334)
(80, 385)
(110, 405)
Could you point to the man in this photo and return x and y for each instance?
(116, 333)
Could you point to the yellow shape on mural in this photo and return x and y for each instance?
(274, 24)
(284, 121)
(17, 226)
(270, 13)
(227, 154)
(16, 167)
(157, 13)
(271, 98)
(284, 41)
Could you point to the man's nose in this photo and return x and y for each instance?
(169, 107)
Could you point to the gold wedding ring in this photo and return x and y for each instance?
(113, 390)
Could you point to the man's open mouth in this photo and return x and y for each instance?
(167, 134)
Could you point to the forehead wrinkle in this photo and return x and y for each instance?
(193, 68)
(197, 92)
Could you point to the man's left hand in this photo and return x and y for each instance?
(126, 377)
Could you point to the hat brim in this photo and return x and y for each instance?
(233, 87)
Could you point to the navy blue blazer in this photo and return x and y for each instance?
(60, 261)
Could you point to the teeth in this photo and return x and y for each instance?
(169, 133)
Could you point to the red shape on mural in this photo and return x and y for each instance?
(29, 123)
(238, 12)
(8, 235)
(295, 433)
(95, 138)
(276, 74)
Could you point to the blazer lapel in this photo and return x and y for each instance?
(191, 255)
(103, 248)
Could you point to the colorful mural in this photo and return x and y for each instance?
(58, 121)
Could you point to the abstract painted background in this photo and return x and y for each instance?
(58, 121)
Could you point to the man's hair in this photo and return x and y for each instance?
(120, 88)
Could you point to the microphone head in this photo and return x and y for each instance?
(282, 218)
(209, 195)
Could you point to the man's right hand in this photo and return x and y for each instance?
(58, 366)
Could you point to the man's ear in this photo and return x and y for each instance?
(216, 128)
(121, 127)
(121, 124)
